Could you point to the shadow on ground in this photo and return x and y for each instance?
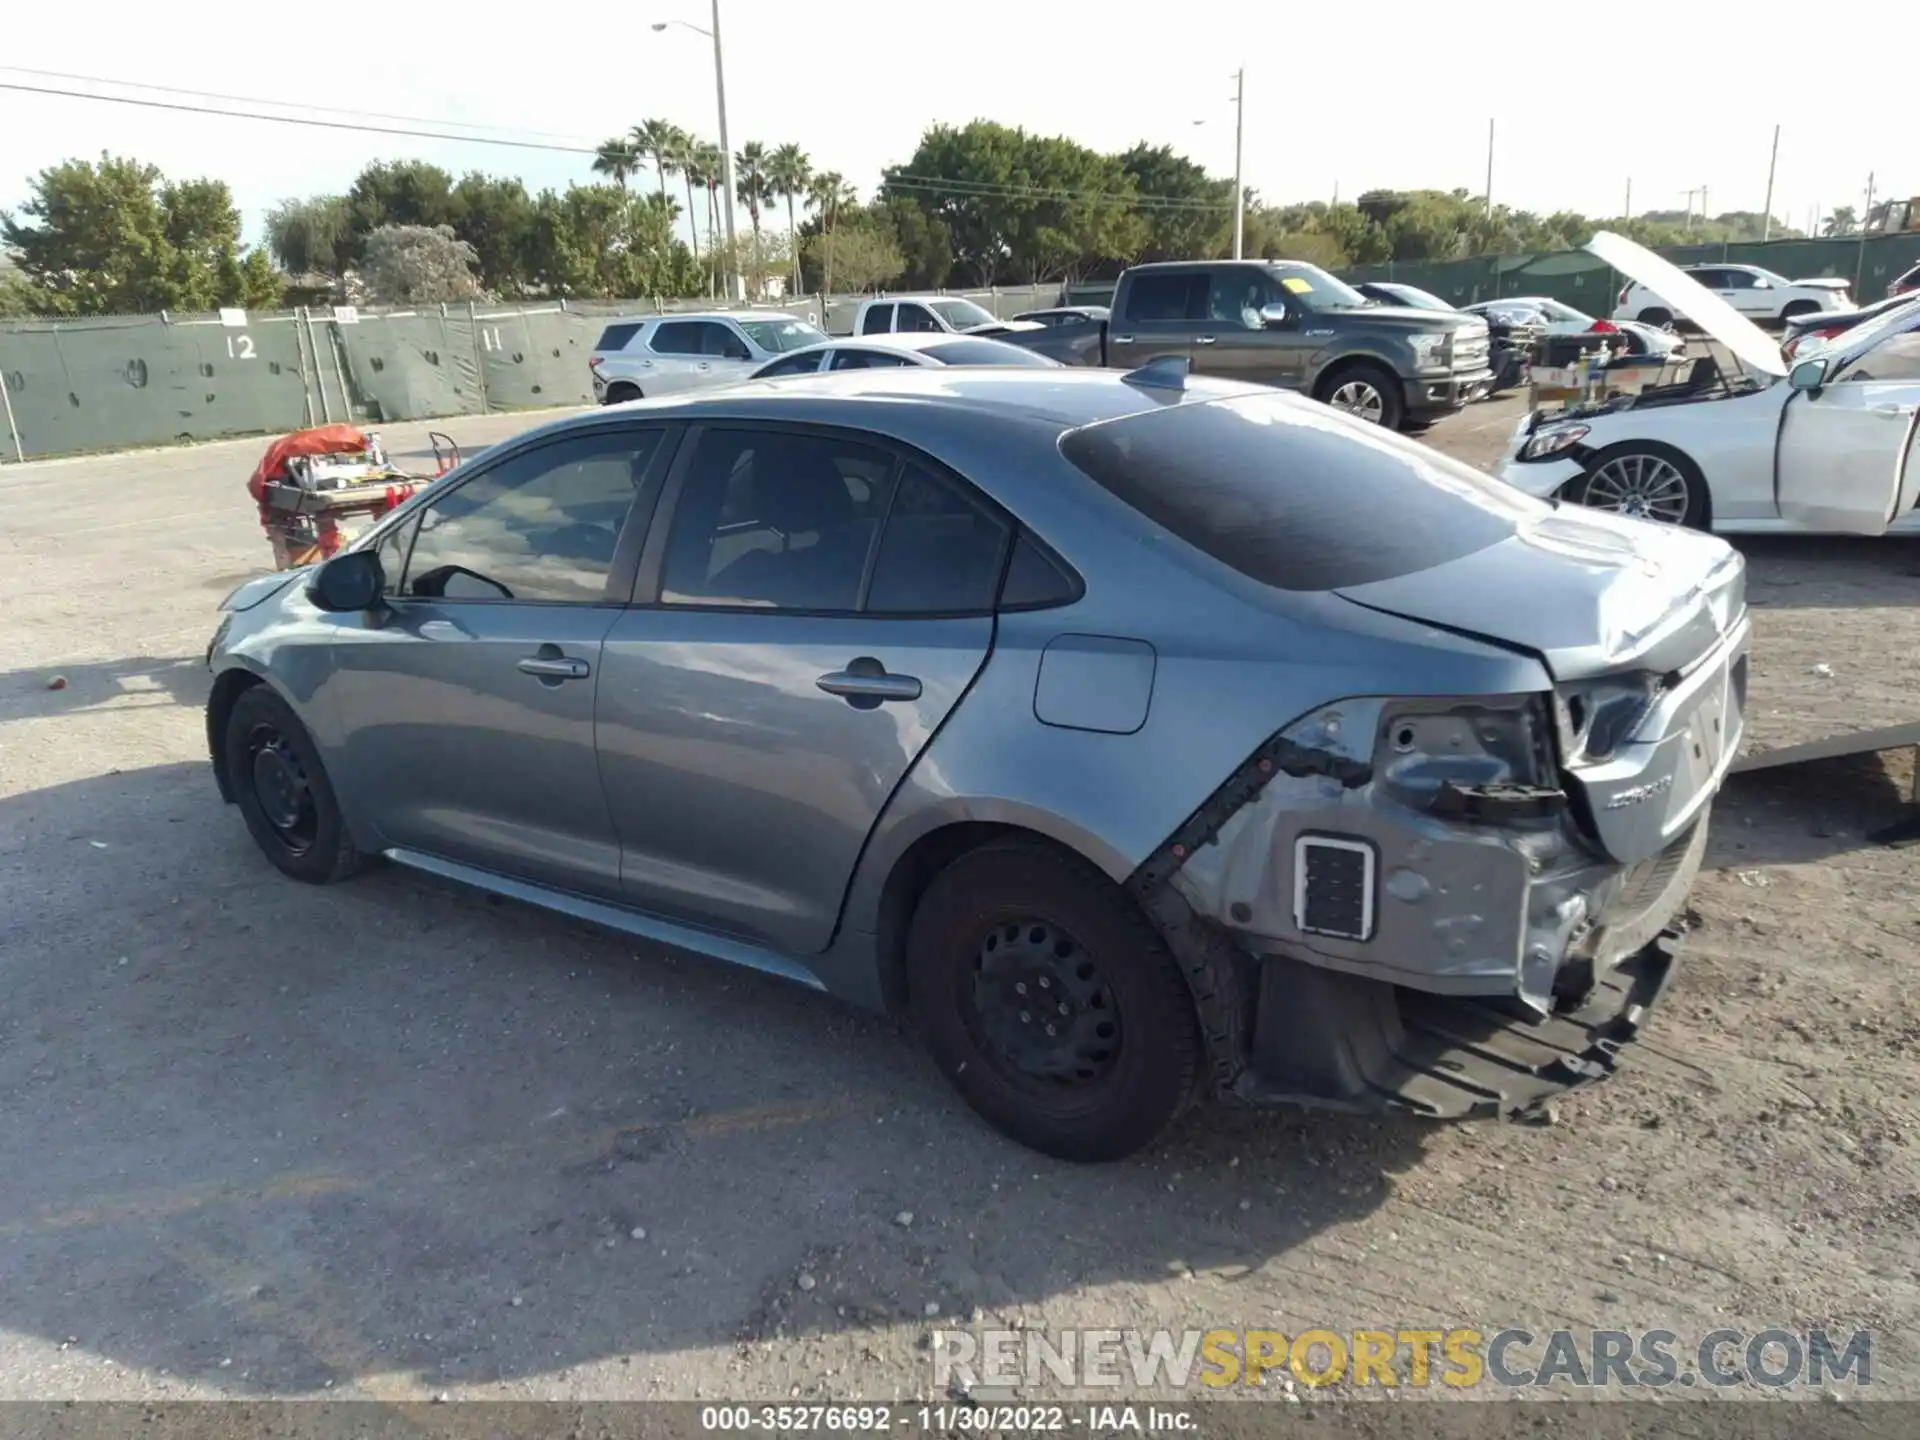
(386, 1134)
(1801, 814)
(155, 679)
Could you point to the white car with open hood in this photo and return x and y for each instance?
(1746, 448)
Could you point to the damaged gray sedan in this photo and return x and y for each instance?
(1142, 737)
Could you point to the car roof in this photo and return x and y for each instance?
(898, 340)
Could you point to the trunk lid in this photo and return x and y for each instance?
(1749, 343)
(1589, 593)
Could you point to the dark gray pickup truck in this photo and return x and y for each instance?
(1285, 324)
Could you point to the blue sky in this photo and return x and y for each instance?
(1396, 94)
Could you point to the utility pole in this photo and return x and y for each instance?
(1239, 187)
(1766, 225)
(726, 156)
(1489, 168)
(1860, 256)
(1626, 212)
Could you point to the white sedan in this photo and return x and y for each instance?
(879, 352)
(1830, 449)
(1555, 317)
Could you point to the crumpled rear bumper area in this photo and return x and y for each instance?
(1343, 1041)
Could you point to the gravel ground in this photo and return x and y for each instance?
(390, 1140)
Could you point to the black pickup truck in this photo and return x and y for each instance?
(1286, 324)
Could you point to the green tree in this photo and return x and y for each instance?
(419, 265)
(828, 194)
(115, 236)
(923, 239)
(663, 141)
(311, 236)
(751, 185)
(788, 173)
(494, 214)
(863, 256)
(399, 192)
(600, 242)
(1841, 220)
(1188, 215)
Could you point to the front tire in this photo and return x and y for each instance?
(1051, 1003)
(1647, 482)
(276, 778)
(1797, 309)
(1365, 391)
(1655, 316)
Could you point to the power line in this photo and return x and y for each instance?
(302, 120)
(918, 184)
(283, 104)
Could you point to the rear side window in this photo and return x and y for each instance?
(1175, 296)
(1035, 580)
(1263, 484)
(615, 337)
(879, 320)
(940, 552)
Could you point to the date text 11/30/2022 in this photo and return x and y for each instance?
(946, 1419)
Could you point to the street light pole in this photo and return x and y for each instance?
(738, 282)
(726, 155)
(1239, 189)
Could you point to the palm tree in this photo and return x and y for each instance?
(707, 169)
(788, 173)
(750, 185)
(661, 139)
(686, 154)
(618, 158)
(828, 193)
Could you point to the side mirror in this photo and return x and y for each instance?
(1763, 284)
(1808, 375)
(353, 581)
(1275, 316)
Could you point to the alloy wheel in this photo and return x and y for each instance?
(1361, 398)
(1647, 487)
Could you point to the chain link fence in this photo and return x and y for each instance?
(120, 382)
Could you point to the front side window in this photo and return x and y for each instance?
(776, 519)
(1896, 358)
(917, 320)
(1237, 295)
(717, 342)
(879, 320)
(1737, 279)
(677, 337)
(539, 526)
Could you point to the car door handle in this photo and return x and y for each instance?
(555, 667)
(1122, 339)
(1893, 412)
(867, 679)
(1203, 339)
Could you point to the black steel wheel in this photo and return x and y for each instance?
(276, 777)
(1051, 1002)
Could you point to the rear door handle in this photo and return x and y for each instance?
(1203, 339)
(1122, 339)
(866, 680)
(555, 667)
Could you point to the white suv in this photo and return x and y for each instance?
(662, 354)
(1760, 295)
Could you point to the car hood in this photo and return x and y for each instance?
(252, 592)
(1412, 317)
(1746, 340)
(1587, 592)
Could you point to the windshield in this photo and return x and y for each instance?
(1554, 310)
(1317, 290)
(984, 352)
(1413, 295)
(779, 336)
(1290, 494)
(962, 314)
(1868, 335)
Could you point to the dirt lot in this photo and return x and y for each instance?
(393, 1141)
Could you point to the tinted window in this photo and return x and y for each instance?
(1265, 485)
(1157, 295)
(717, 341)
(1034, 580)
(941, 550)
(1736, 280)
(615, 337)
(778, 336)
(677, 337)
(867, 360)
(1712, 279)
(983, 352)
(539, 526)
(917, 319)
(879, 320)
(768, 518)
(802, 364)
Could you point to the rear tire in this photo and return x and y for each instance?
(1365, 391)
(282, 789)
(1051, 1003)
(620, 393)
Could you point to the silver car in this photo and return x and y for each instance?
(1142, 736)
(892, 352)
(668, 354)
